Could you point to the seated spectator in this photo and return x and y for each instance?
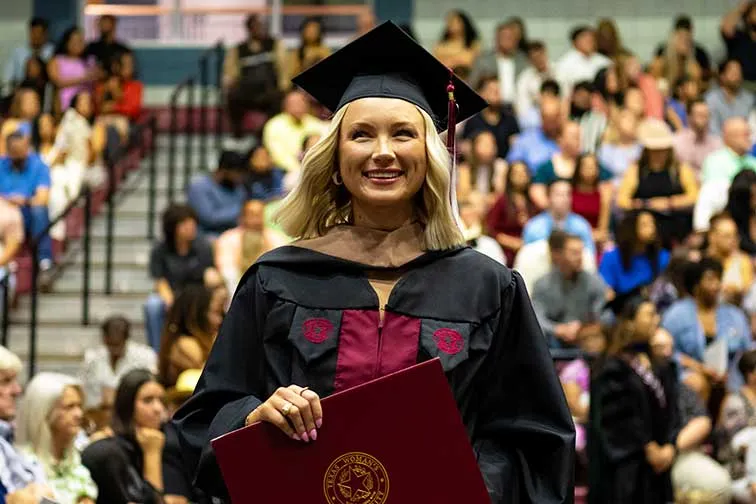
(582, 62)
(38, 46)
(483, 171)
(568, 301)
(737, 274)
(660, 184)
(265, 181)
(69, 69)
(741, 205)
(254, 75)
(11, 235)
(682, 45)
(677, 60)
(119, 98)
(506, 61)
(695, 142)
(104, 365)
(670, 286)
(592, 122)
(621, 152)
(190, 330)
(562, 165)
(741, 38)
(558, 215)
(20, 478)
(494, 118)
(181, 259)
(44, 131)
(106, 50)
(459, 46)
(512, 210)
(589, 199)
(652, 98)
(530, 80)
(533, 262)
(608, 40)
(634, 415)
(685, 92)
(695, 475)
(24, 111)
(471, 216)
(725, 163)
(729, 99)
(701, 319)
(49, 423)
(311, 48)
(37, 80)
(636, 261)
(607, 97)
(25, 183)
(535, 146)
(217, 197)
(238, 248)
(284, 133)
(127, 464)
(530, 119)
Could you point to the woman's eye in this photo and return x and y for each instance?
(404, 132)
(358, 134)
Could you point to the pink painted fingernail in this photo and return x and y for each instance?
(294, 436)
(319, 423)
(314, 435)
(305, 438)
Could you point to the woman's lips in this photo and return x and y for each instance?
(383, 177)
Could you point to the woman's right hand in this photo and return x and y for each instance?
(304, 417)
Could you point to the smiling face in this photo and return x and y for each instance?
(382, 154)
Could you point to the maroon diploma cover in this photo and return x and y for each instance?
(395, 440)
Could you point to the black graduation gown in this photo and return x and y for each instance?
(296, 310)
(626, 415)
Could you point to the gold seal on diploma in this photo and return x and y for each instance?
(356, 478)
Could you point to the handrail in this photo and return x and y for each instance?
(86, 196)
(5, 287)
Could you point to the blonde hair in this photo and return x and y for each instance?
(9, 361)
(317, 204)
(36, 414)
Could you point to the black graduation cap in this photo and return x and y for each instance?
(386, 62)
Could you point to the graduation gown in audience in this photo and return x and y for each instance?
(626, 414)
(309, 315)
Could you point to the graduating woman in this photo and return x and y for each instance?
(379, 280)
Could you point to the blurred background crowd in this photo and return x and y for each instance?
(622, 186)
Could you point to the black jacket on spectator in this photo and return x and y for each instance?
(503, 130)
(506, 388)
(179, 270)
(106, 53)
(116, 465)
(626, 414)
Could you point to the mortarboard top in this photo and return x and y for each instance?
(386, 62)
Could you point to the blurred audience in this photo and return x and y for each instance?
(217, 197)
(70, 70)
(459, 46)
(37, 47)
(582, 62)
(107, 50)
(536, 145)
(311, 48)
(695, 142)
(531, 78)
(738, 30)
(737, 276)
(471, 217)
(506, 61)
(729, 99)
(618, 154)
(496, 119)
(734, 156)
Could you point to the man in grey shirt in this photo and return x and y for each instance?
(729, 99)
(568, 300)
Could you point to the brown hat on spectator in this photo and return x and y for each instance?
(654, 134)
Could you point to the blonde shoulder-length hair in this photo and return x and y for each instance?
(317, 204)
(36, 414)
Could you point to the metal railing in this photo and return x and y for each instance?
(195, 127)
(5, 287)
(84, 198)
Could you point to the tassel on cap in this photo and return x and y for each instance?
(451, 147)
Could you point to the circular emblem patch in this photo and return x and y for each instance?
(356, 478)
(317, 330)
(448, 341)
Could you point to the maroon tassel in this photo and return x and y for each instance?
(452, 124)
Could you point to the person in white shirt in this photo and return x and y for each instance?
(530, 80)
(582, 62)
(506, 61)
(104, 365)
(533, 261)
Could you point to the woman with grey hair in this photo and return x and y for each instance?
(49, 422)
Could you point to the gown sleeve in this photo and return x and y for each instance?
(231, 386)
(523, 436)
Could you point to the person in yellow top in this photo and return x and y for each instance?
(285, 133)
(311, 48)
(723, 246)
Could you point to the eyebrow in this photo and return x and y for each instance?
(396, 125)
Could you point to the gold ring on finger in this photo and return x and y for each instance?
(304, 390)
(287, 409)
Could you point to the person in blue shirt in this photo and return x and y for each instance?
(38, 46)
(536, 146)
(636, 261)
(25, 182)
(217, 198)
(700, 319)
(559, 215)
(264, 181)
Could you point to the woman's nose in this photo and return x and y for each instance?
(383, 154)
